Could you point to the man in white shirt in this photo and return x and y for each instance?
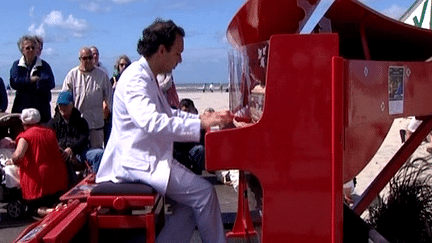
(140, 147)
(90, 87)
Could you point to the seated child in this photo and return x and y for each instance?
(7, 147)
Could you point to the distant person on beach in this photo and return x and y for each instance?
(166, 84)
(43, 173)
(140, 148)
(90, 87)
(3, 97)
(32, 78)
(73, 134)
(211, 87)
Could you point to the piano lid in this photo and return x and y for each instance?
(257, 20)
(386, 39)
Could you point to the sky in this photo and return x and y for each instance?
(115, 26)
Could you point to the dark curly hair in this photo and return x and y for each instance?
(159, 33)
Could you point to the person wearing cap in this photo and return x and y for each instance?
(73, 133)
(43, 173)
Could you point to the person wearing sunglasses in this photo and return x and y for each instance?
(90, 88)
(32, 78)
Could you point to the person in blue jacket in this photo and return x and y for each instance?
(32, 78)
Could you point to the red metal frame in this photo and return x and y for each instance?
(337, 97)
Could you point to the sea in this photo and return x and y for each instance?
(199, 87)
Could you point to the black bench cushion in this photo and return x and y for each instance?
(111, 188)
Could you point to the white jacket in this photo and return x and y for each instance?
(144, 128)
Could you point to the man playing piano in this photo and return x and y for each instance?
(144, 129)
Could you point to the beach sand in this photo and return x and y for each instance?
(216, 100)
(219, 101)
(388, 149)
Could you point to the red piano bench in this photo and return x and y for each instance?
(125, 206)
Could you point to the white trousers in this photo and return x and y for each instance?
(196, 204)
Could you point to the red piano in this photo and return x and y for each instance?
(319, 105)
(314, 107)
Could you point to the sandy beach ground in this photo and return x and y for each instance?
(216, 100)
(388, 148)
(219, 101)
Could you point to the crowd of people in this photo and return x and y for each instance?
(53, 148)
(130, 128)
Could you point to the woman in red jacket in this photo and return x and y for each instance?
(43, 174)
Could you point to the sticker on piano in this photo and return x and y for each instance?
(396, 89)
(262, 56)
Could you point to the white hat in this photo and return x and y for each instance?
(30, 116)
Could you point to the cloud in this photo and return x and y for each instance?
(31, 11)
(49, 52)
(395, 11)
(37, 31)
(94, 7)
(56, 19)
